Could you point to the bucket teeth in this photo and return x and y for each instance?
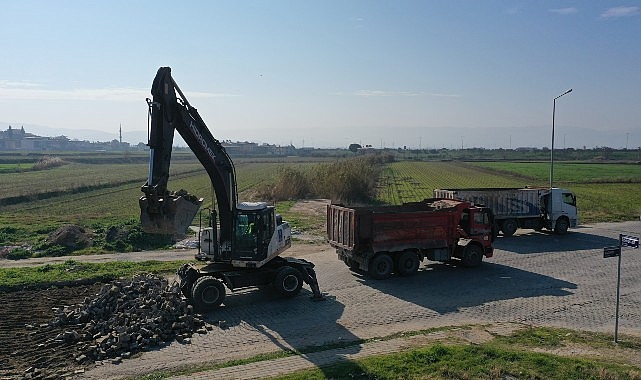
(171, 214)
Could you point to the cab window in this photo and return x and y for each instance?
(569, 198)
(481, 218)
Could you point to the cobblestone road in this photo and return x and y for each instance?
(535, 278)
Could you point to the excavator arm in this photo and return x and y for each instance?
(167, 212)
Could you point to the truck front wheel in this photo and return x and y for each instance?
(473, 256)
(561, 226)
(207, 293)
(288, 281)
(380, 266)
(509, 227)
(407, 263)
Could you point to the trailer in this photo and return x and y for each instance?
(381, 240)
(528, 207)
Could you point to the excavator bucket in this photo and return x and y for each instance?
(171, 214)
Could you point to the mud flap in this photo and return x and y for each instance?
(171, 214)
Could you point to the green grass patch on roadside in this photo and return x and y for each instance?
(72, 271)
(469, 362)
(519, 355)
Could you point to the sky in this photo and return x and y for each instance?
(415, 74)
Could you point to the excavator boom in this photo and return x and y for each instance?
(167, 212)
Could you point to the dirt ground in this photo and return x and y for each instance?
(25, 351)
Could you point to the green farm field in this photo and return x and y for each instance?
(605, 192)
(100, 193)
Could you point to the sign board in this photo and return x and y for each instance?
(611, 252)
(629, 241)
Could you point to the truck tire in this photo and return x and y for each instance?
(207, 293)
(472, 256)
(561, 226)
(380, 266)
(509, 227)
(288, 281)
(407, 263)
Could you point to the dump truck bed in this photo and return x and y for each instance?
(504, 202)
(423, 225)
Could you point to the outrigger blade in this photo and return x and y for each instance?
(170, 214)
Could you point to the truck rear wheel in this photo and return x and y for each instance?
(472, 256)
(509, 227)
(380, 266)
(207, 293)
(288, 281)
(407, 263)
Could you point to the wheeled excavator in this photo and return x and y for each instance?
(241, 246)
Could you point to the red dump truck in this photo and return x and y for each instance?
(381, 240)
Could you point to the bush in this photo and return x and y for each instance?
(346, 180)
(48, 163)
(18, 254)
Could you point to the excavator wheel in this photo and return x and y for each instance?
(288, 281)
(207, 293)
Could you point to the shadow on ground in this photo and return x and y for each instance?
(298, 324)
(449, 287)
(542, 241)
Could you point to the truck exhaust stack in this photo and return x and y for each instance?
(169, 215)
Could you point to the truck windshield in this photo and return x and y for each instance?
(569, 198)
(481, 218)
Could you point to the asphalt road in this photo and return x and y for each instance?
(534, 278)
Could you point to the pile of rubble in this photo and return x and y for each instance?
(127, 316)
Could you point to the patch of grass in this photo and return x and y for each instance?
(469, 362)
(515, 356)
(550, 337)
(74, 271)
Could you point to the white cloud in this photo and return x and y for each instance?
(513, 10)
(20, 84)
(617, 12)
(372, 93)
(564, 11)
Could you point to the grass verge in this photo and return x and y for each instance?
(523, 354)
(74, 272)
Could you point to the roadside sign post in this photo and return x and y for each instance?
(624, 241)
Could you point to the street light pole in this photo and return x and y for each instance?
(552, 148)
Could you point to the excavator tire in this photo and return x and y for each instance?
(207, 293)
(288, 281)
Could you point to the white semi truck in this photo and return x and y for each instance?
(529, 207)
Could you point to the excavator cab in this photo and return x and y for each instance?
(253, 231)
(259, 234)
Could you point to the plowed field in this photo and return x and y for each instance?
(25, 349)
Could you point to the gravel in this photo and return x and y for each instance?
(127, 316)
